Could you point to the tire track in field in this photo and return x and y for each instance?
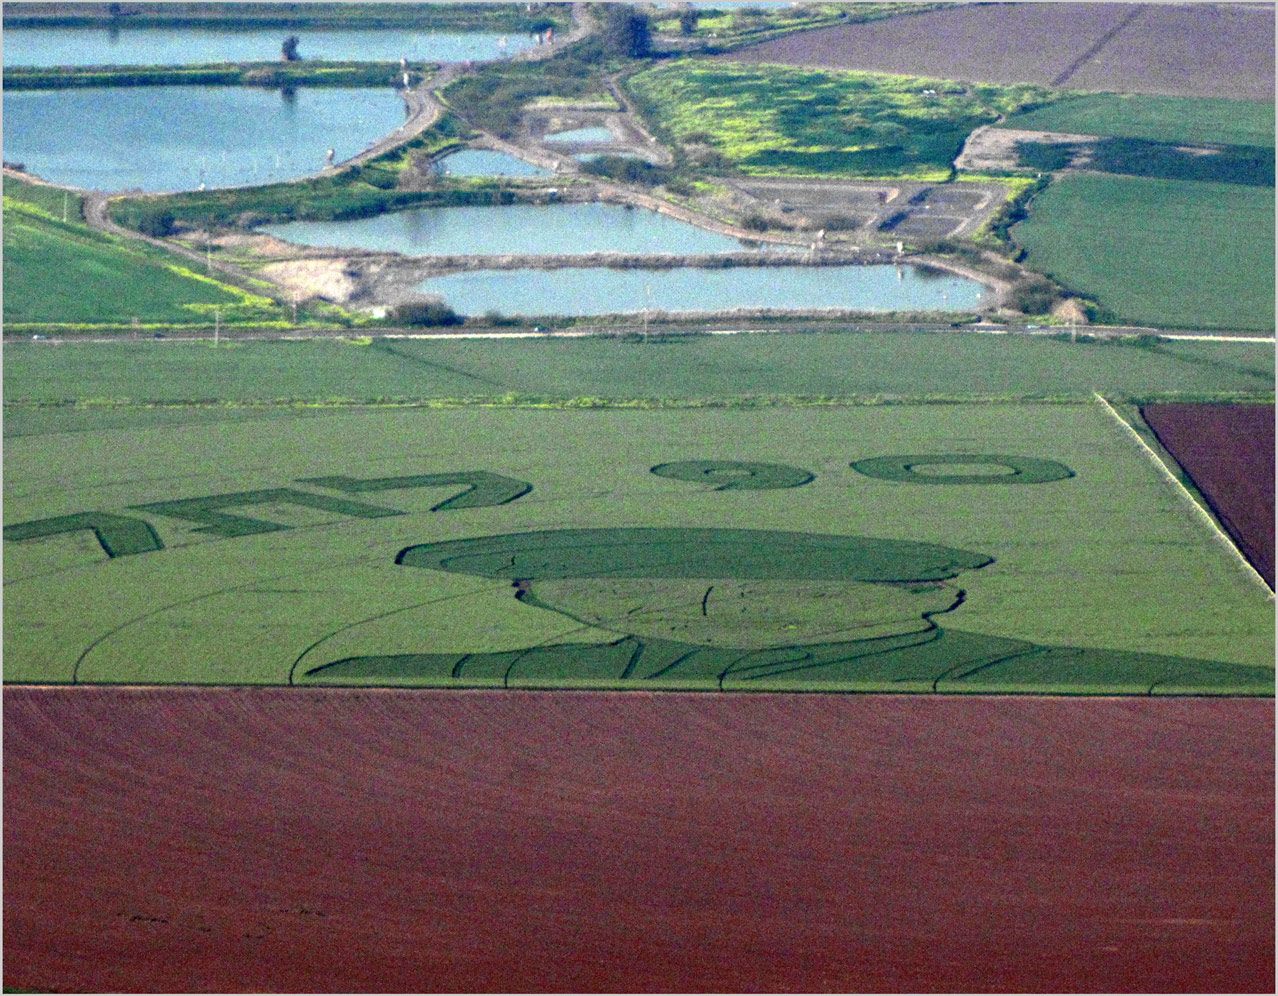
(1225, 365)
(292, 671)
(1100, 43)
(246, 586)
(381, 345)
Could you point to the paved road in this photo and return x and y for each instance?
(707, 327)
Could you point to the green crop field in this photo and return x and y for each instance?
(1188, 120)
(1252, 165)
(99, 278)
(978, 548)
(717, 369)
(1158, 252)
(778, 120)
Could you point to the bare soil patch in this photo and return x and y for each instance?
(172, 840)
(1188, 50)
(930, 226)
(1192, 50)
(1228, 450)
(995, 148)
(860, 209)
(330, 279)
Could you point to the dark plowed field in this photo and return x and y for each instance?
(1228, 450)
(238, 840)
(1191, 50)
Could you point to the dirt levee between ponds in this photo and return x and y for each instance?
(331, 279)
(185, 839)
(1190, 50)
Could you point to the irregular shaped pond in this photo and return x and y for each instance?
(517, 228)
(159, 46)
(482, 162)
(177, 137)
(600, 291)
(598, 134)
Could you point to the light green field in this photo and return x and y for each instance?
(1158, 252)
(720, 368)
(1193, 120)
(65, 272)
(1110, 560)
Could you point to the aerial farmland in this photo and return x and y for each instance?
(638, 497)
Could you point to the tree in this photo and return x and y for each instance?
(288, 52)
(626, 32)
(1034, 295)
(424, 313)
(688, 20)
(156, 222)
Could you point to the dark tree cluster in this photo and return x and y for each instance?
(626, 32)
(424, 313)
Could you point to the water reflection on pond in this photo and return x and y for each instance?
(157, 46)
(177, 137)
(600, 291)
(517, 228)
(596, 134)
(483, 162)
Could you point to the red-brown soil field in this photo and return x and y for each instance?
(1185, 50)
(1228, 451)
(234, 839)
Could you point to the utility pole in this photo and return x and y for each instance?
(135, 328)
(217, 325)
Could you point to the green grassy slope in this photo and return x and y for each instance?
(1159, 252)
(56, 271)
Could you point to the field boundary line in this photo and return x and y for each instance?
(1202, 513)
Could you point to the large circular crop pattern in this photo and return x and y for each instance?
(995, 469)
(735, 475)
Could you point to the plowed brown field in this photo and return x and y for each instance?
(1228, 450)
(1187, 50)
(212, 839)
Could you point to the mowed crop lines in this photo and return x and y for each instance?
(1003, 548)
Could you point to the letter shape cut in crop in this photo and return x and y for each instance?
(205, 510)
(119, 535)
(735, 475)
(1014, 469)
(483, 488)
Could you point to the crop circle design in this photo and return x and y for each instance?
(735, 475)
(1022, 469)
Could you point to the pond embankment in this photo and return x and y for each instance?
(388, 278)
